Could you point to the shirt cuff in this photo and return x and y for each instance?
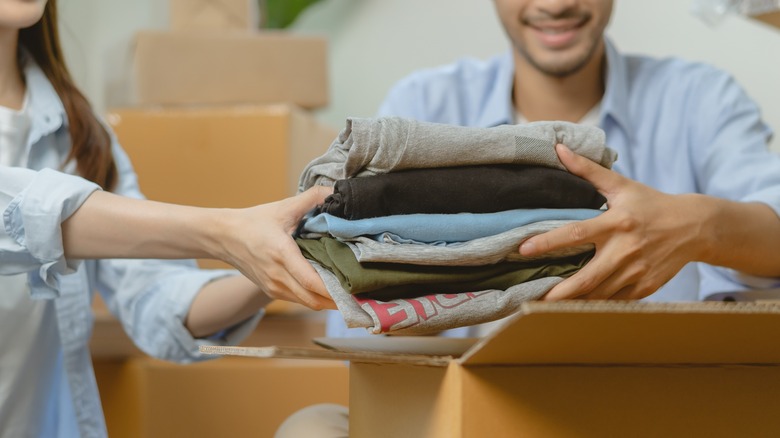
(230, 336)
(34, 220)
(769, 196)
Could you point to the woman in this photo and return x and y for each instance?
(64, 238)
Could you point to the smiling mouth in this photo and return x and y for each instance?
(554, 26)
(557, 33)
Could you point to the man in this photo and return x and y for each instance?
(694, 181)
(679, 128)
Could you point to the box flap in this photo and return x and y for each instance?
(322, 353)
(607, 332)
(576, 333)
(421, 345)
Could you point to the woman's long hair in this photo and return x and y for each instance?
(91, 143)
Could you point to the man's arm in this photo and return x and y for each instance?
(646, 237)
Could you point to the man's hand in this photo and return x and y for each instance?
(642, 240)
(261, 247)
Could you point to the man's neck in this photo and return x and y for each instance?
(538, 96)
(12, 86)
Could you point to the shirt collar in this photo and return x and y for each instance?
(498, 107)
(614, 104)
(47, 114)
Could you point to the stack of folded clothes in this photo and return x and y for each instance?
(422, 231)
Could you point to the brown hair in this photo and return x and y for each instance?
(91, 143)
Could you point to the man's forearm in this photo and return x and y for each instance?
(744, 236)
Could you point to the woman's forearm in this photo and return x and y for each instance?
(255, 240)
(112, 226)
(224, 303)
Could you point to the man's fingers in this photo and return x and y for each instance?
(584, 282)
(572, 234)
(605, 180)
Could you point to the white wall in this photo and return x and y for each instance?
(373, 43)
(96, 37)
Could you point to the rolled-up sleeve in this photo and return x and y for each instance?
(34, 205)
(152, 299)
(735, 164)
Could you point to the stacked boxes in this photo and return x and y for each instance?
(232, 67)
(220, 118)
(199, 15)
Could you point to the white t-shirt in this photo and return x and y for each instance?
(28, 328)
(590, 119)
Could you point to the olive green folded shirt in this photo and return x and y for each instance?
(399, 280)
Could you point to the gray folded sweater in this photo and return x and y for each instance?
(370, 146)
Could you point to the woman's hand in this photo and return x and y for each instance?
(259, 244)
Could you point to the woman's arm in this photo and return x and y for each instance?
(256, 240)
(224, 303)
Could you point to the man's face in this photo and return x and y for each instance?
(557, 37)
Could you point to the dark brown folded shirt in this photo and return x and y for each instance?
(471, 189)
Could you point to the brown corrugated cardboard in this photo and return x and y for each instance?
(188, 15)
(770, 18)
(234, 156)
(230, 397)
(174, 68)
(574, 369)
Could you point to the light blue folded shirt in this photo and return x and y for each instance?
(436, 228)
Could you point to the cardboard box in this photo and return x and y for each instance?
(570, 369)
(143, 397)
(189, 15)
(770, 18)
(230, 68)
(220, 156)
(230, 397)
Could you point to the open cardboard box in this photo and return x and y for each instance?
(569, 369)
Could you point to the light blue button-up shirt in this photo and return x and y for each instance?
(677, 126)
(150, 297)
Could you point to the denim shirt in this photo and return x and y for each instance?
(677, 126)
(151, 298)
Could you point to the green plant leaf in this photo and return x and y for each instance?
(279, 14)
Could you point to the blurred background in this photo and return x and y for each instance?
(250, 107)
(373, 43)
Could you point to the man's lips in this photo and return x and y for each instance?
(556, 34)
